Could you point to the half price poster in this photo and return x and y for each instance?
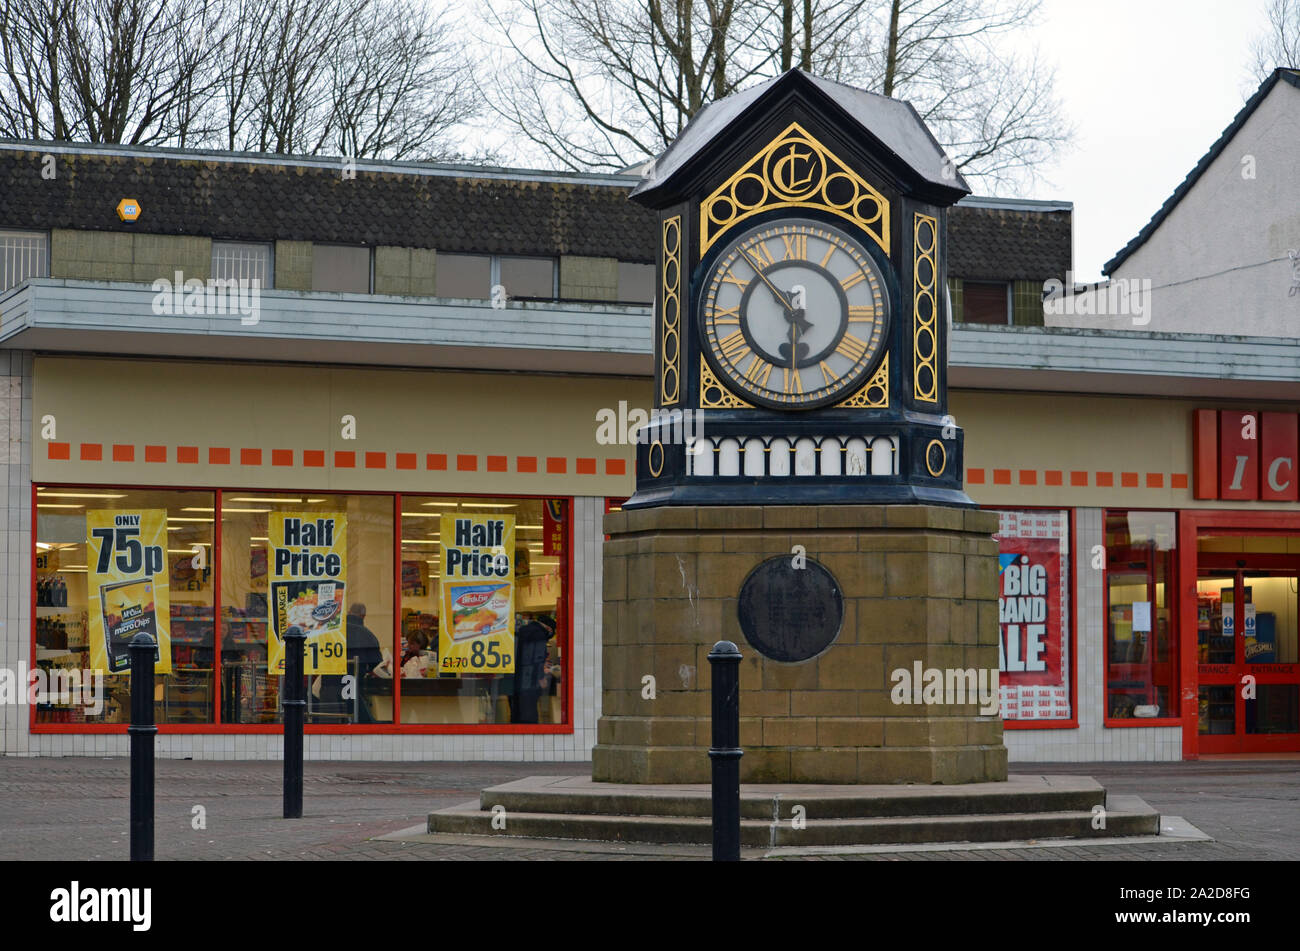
(308, 566)
(476, 630)
(127, 586)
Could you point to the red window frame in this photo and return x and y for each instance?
(217, 727)
(1174, 598)
(1072, 621)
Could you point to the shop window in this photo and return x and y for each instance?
(241, 261)
(363, 583)
(1035, 675)
(1141, 634)
(23, 254)
(529, 278)
(111, 563)
(985, 303)
(340, 268)
(464, 276)
(636, 283)
(448, 619)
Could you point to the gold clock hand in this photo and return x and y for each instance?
(780, 294)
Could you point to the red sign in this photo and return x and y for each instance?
(553, 527)
(1244, 455)
(1033, 613)
(1238, 455)
(1278, 478)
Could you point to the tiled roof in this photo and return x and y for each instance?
(265, 202)
(458, 209)
(1008, 245)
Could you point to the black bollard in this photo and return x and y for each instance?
(295, 703)
(725, 753)
(143, 649)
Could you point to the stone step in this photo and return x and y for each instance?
(579, 795)
(1136, 818)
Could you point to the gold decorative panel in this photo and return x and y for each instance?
(875, 395)
(713, 395)
(794, 171)
(925, 308)
(670, 309)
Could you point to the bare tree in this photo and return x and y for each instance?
(366, 78)
(606, 83)
(1279, 44)
(100, 70)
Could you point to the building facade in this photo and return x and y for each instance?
(432, 340)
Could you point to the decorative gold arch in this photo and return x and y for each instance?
(794, 171)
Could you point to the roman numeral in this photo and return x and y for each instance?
(827, 375)
(852, 280)
(830, 251)
(787, 377)
(758, 254)
(796, 246)
(758, 371)
(861, 312)
(730, 278)
(851, 347)
(726, 315)
(733, 346)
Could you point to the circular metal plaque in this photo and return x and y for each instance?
(790, 614)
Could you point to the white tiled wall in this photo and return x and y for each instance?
(16, 533)
(1092, 742)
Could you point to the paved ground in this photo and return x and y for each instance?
(75, 809)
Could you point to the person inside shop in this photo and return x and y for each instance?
(364, 655)
(531, 675)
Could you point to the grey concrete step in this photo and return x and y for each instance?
(579, 795)
(1136, 818)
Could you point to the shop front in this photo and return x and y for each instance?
(1240, 631)
(1150, 576)
(436, 535)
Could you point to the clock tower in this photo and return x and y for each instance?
(799, 484)
(801, 313)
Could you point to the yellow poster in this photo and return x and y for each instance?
(127, 586)
(476, 629)
(308, 567)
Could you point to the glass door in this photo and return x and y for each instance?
(1248, 664)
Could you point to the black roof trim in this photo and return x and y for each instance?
(1290, 76)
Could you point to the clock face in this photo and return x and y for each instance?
(794, 314)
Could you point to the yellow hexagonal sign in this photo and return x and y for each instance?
(128, 209)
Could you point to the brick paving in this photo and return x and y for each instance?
(75, 809)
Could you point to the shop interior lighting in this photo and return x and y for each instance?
(45, 494)
(58, 505)
(178, 518)
(247, 498)
(442, 504)
(224, 510)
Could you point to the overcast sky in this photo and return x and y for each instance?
(1149, 86)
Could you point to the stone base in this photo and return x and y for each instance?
(1021, 808)
(919, 586)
